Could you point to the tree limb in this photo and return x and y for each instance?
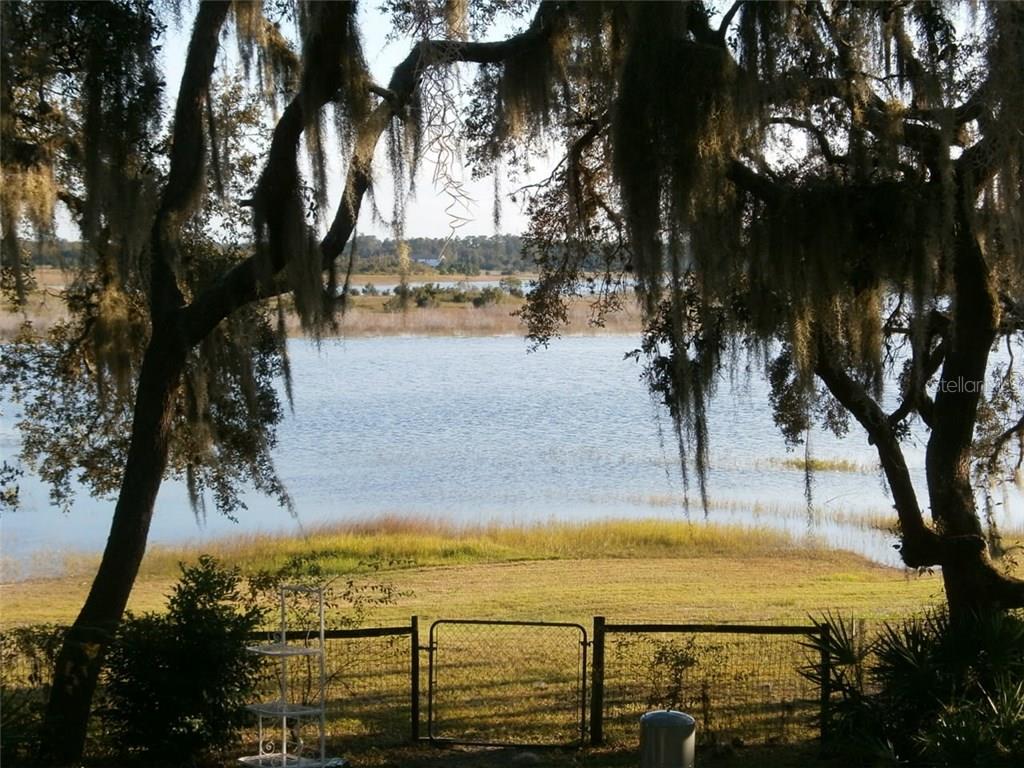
(922, 371)
(920, 545)
(723, 28)
(187, 156)
(1017, 430)
(818, 134)
(248, 281)
(759, 185)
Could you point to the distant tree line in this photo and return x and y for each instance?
(461, 255)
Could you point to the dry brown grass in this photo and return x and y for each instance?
(44, 307)
(367, 316)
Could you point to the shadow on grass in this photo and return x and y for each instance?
(426, 756)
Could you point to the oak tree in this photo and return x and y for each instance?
(830, 188)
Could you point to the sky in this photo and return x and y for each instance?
(426, 214)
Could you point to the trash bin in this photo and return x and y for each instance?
(667, 739)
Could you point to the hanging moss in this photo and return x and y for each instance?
(674, 126)
(334, 72)
(528, 81)
(781, 180)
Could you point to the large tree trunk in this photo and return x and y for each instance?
(81, 657)
(177, 327)
(966, 569)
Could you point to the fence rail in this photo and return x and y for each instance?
(524, 682)
(742, 682)
(373, 679)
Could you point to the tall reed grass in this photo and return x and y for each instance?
(366, 318)
(394, 541)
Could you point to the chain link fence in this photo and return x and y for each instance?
(369, 685)
(507, 683)
(516, 683)
(27, 657)
(742, 683)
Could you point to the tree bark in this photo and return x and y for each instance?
(64, 730)
(967, 573)
(973, 584)
(177, 328)
(81, 656)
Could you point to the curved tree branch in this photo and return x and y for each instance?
(723, 28)
(920, 546)
(248, 282)
(188, 155)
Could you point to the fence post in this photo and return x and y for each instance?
(414, 666)
(826, 679)
(597, 685)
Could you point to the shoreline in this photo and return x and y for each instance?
(557, 570)
(368, 317)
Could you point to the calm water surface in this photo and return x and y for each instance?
(478, 429)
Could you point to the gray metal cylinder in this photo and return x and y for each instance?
(667, 739)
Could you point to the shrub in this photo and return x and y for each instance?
(487, 296)
(427, 295)
(178, 682)
(27, 656)
(929, 691)
(513, 286)
(347, 600)
(401, 297)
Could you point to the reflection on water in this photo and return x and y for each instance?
(477, 429)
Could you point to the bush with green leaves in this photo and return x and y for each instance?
(178, 682)
(348, 598)
(27, 656)
(488, 295)
(928, 691)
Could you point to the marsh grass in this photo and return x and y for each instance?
(367, 316)
(397, 542)
(868, 520)
(824, 465)
(555, 570)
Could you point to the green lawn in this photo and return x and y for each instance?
(627, 571)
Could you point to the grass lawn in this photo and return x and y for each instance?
(628, 571)
(625, 570)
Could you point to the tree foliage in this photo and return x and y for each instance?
(77, 383)
(179, 681)
(926, 691)
(831, 190)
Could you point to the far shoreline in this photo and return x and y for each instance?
(367, 316)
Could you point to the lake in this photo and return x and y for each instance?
(481, 429)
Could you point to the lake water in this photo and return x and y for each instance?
(480, 429)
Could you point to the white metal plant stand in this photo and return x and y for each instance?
(283, 718)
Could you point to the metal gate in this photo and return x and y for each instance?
(507, 683)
